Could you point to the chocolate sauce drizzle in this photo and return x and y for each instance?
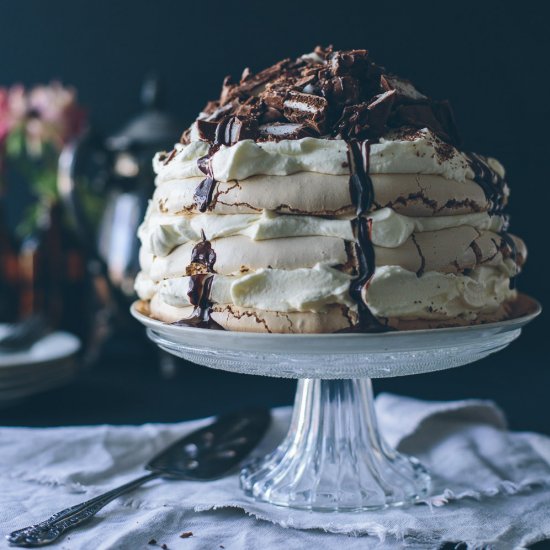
(199, 288)
(493, 184)
(512, 252)
(205, 190)
(204, 254)
(362, 195)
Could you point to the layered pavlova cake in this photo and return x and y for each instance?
(325, 194)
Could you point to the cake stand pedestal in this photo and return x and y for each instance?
(334, 457)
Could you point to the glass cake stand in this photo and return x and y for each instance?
(334, 457)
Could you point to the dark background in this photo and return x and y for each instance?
(489, 58)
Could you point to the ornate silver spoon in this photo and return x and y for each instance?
(206, 454)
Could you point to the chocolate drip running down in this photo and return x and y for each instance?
(362, 194)
(200, 286)
(493, 184)
(205, 190)
(203, 254)
(512, 253)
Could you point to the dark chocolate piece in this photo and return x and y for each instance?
(286, 130)
(307, 108)
(435, 115)
(341, 90)
(350, 62)
(228, 131)
(366, 120)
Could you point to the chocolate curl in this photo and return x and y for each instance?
(252, 84)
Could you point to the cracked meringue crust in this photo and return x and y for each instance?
(311, 193)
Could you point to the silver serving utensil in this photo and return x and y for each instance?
(206, 454)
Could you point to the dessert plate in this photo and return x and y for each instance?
(50, 362)
(333, 356)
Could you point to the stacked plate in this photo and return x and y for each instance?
(49, 363)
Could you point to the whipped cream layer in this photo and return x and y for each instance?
(304, 289)
(395, 153)
(396, 292)
(162, 233)
(393, 292)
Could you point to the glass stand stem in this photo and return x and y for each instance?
(333, 457)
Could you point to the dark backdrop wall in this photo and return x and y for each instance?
(489, 58)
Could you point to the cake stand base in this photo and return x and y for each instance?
(333, 457)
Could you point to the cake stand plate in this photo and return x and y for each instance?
(333, 457)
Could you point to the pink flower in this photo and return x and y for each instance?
(13, 107)
(4, 114)
(46, 115)
(62, 119)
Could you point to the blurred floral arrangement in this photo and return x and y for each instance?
(35, 125)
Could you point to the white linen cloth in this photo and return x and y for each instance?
(491, 487)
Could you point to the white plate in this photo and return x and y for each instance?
(338, 355)
(48, 364)
(53, 347)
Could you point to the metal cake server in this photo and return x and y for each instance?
(206, 454)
